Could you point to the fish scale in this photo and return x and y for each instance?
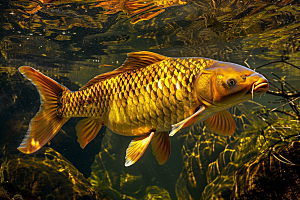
(133, 103)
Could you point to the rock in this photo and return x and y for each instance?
(267, 177)
(47, 175)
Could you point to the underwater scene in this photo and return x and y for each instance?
(181, 99)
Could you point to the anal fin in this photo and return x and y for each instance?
(87, 129)
(221, 123)
(137, 148)
(161, 147)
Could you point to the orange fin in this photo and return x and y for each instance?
(221, 123)
(137, 148)
(186, 122)
(149, 15)
(87, 129)
(136, 10)
(134, 61)
(46, 123)
(161, 147)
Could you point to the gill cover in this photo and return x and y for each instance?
(204, 85)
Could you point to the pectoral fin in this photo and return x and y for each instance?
(186, 122)
(87, 130)
(161, 147)
(137, 148)
(221, 123)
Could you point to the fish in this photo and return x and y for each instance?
(150, 96)
(138, 10)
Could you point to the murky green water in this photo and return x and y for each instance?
(73, 41)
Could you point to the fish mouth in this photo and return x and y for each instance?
(260, 86)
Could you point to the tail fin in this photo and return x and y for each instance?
(46, 123)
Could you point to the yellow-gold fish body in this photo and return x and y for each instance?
(137, 101)
(150, 96)
(138, 10)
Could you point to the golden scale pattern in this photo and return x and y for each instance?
(155, 96)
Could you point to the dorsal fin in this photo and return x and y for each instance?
(134, 61)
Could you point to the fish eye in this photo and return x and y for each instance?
(231, 81)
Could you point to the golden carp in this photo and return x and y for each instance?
(149, 96)
(138, 10)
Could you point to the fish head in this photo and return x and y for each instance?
(226, 84)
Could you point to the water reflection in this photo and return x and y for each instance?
(219, 30)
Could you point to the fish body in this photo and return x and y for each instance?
(150, 96)
(134, 102)
(138, 10)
